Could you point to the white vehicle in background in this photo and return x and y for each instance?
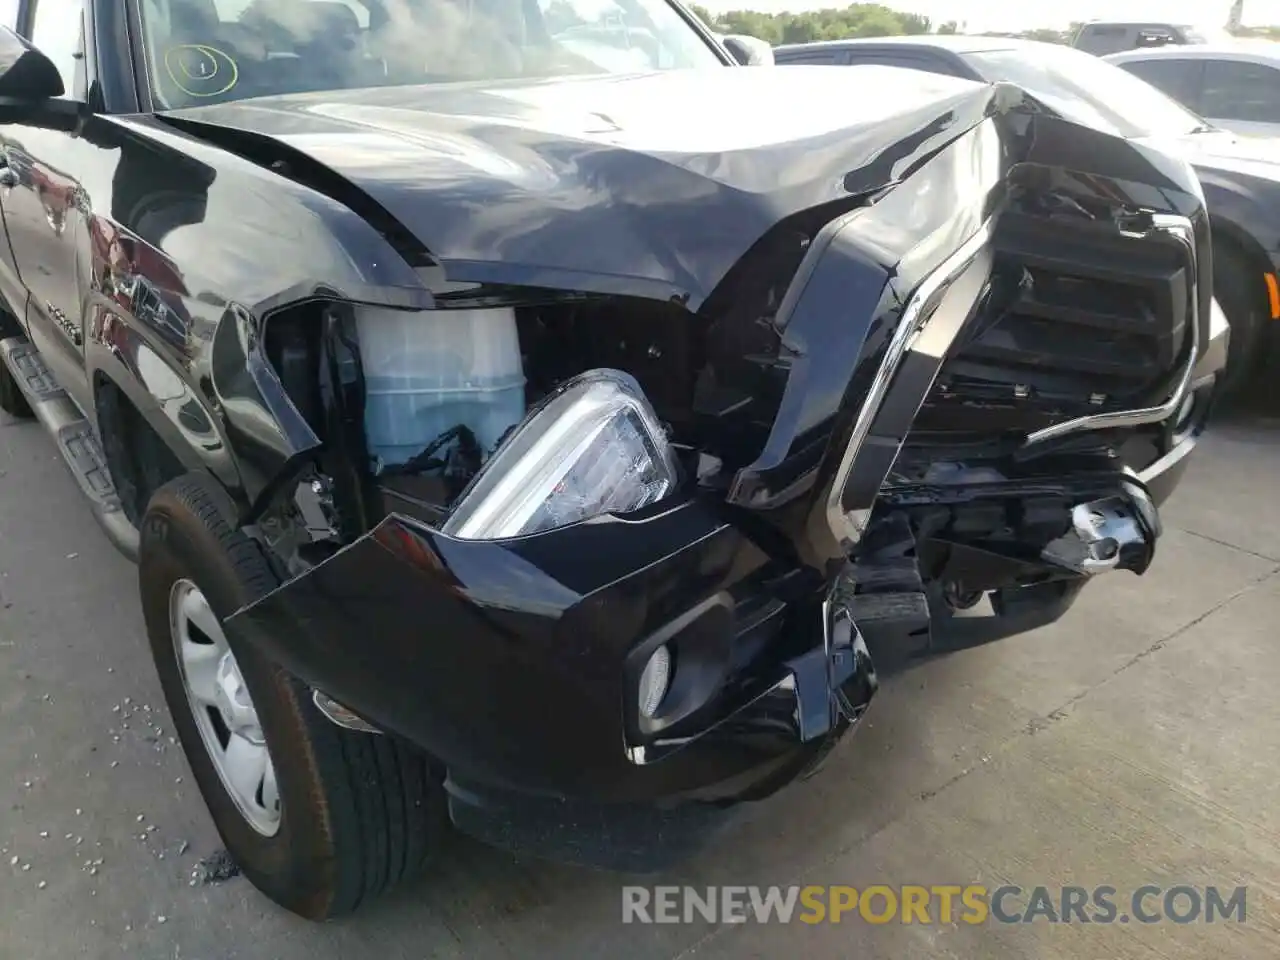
(1235, 85)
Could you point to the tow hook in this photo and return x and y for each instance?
(1113, 533)
(832, 684)
(851, 689)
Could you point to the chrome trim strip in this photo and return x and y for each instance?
(1185, 441)
(1181, 229)
(1214, 358)
(1169, 460)
(848, 527)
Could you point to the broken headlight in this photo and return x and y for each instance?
(594, 446)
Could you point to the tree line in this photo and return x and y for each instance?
(870, 20)
(855, 20)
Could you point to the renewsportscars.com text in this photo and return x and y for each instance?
(940, 904)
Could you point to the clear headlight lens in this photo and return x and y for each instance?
(594, 446)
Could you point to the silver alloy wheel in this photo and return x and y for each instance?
(223, 710)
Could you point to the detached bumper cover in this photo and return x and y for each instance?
(508, 661)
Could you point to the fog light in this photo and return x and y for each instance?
(654, 681)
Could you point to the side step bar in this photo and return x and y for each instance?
(75, 439)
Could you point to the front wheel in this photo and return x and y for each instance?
(1236, 288)
(319, 818)
(12, 400)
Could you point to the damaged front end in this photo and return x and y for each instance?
(616, 563)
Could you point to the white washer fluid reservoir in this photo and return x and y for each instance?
(428, 371)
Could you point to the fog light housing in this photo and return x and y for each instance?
(655, 681)
(592, 447)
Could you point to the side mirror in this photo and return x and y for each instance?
(749, 51)
(26, 74)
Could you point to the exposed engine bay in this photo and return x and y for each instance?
(422, 401)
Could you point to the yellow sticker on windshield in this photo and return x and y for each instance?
(208, 70)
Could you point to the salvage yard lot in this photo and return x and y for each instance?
(1137, 741)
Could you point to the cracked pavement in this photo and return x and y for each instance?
(1135, 741)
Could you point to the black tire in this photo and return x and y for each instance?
(12, 400)
(360, 812)
(1237, 289)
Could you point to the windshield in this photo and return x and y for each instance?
(1087, 90)
(209, 51)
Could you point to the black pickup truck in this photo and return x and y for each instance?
(535, 423)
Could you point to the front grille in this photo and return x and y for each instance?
(1086, 322)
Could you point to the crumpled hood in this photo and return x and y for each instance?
(649, 184)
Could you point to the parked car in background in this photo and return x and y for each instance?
(1240, 176)
(1102, 37)
(1235, 86)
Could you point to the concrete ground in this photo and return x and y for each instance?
(1135, 742)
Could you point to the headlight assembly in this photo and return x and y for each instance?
(592, 447)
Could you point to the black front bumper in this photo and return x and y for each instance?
(513, 663)
(782, 736)
(509, 661)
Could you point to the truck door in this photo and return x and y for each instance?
(45, 205)
(12, 291)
